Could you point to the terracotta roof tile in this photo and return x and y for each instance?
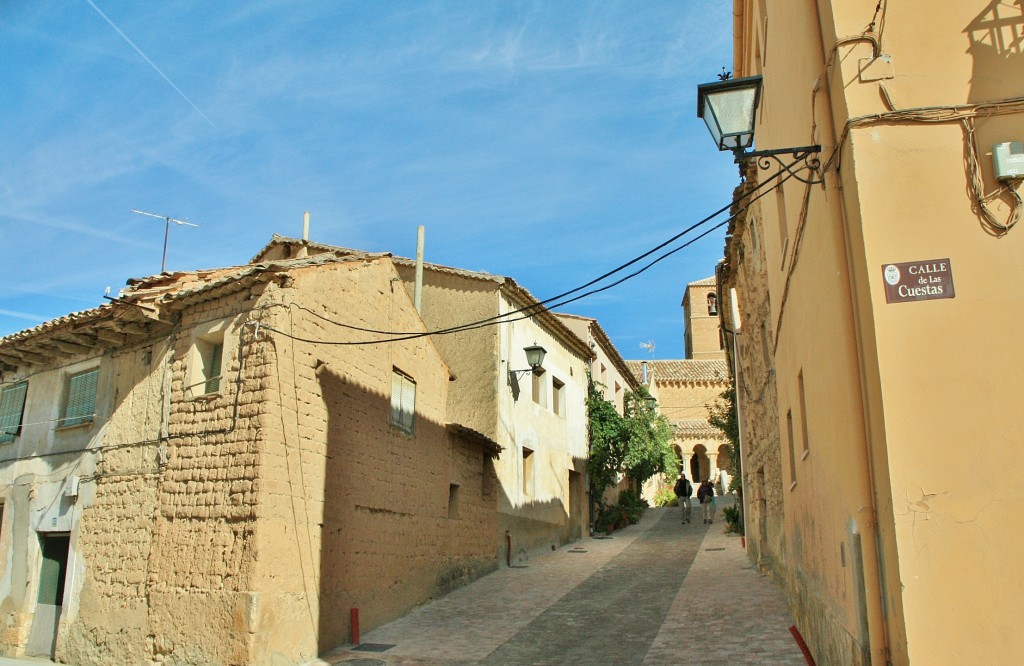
(695, 428)
(59, 322)
(684, 370)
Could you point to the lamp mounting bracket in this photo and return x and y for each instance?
(809, 155)
(515, 374)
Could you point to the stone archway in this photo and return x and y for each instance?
(700, 465)
(723, 463)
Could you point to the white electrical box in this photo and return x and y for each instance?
(1008, 160)
(71, 486)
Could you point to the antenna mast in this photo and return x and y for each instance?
(167, 229)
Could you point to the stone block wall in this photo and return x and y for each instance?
(763, 475)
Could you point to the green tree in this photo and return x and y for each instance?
(647, 435)
(636, 444)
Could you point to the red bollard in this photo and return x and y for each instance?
(354, 618)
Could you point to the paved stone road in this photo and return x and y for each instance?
(655, 593)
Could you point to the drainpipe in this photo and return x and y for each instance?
(737, 40)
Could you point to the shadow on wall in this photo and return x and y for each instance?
(534, 525)
(407, 517)
(997, 47)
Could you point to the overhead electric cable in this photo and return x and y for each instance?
(539, 306)
(542, 306)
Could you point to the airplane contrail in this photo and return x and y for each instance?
(151, 63)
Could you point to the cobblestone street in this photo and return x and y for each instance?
(655, 593)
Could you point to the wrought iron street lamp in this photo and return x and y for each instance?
(729, 109)
(534, 358)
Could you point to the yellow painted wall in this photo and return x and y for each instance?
(895, 395)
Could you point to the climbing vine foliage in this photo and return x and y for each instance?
(607, 450)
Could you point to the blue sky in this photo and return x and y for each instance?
(546, 141)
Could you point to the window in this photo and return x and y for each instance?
(12, 408)
(792, 449)
(208, 357)
(403, 401)
(803, 416)
(79, 399)
(540, 386)
(557, 397)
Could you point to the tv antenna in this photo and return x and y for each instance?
(167, 230)
(649, 346)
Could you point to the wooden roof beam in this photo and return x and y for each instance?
(129, 328)
(70, 347)
(26, 356)
(110, 336)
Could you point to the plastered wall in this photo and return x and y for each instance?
(288, 486)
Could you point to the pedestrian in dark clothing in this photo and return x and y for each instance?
(683, 491)
(706, 495)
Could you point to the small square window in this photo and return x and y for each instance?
(208, 356)
(12, 408)
(557, 397)
(403, 401)
(539, 388)
(79, 399)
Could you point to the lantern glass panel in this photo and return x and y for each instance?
(535, 355)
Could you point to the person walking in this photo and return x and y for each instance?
(706, 497)
(683, 491)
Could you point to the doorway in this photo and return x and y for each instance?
(700, 466)
(575, 505)
(42, 640)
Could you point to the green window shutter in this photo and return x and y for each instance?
(12, 408)
(81, 399)
(213, 369)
